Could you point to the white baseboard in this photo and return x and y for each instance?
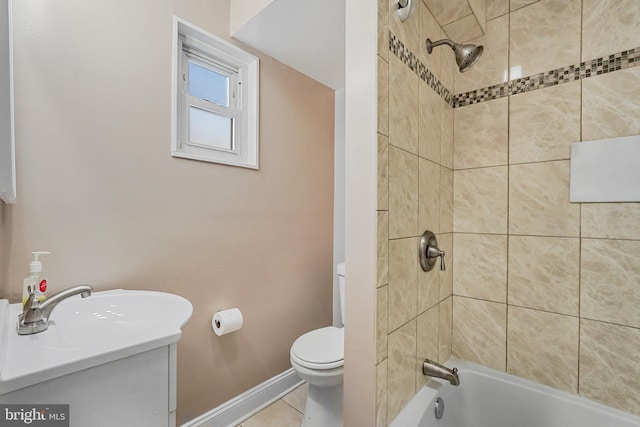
(238, 409)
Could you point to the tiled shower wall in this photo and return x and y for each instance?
(543, 288)
(415, 193)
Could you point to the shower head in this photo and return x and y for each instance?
(466, 54)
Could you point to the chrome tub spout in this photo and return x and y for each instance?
(436, 370)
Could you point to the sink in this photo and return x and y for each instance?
(87, 332)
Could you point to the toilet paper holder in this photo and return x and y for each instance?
(227, 321)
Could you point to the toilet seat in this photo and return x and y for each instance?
(320, 349)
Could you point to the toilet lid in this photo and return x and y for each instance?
(320, 347)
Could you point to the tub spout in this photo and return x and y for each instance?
(436, 370)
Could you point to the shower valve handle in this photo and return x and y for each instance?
(428, 251)
(434, 253)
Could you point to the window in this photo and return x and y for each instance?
(215, 99)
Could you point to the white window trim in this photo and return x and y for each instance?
(245, 152)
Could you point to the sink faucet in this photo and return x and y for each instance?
(35, 316)
(434, 369)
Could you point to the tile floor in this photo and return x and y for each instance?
(285, 412)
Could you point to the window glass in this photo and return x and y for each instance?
(215, 99)
(210, 129)
(207, 84)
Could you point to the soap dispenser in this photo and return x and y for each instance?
(34, 282)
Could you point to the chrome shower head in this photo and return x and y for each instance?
(466, 54)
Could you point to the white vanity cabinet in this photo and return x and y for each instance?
(112, 357)
(139, 391)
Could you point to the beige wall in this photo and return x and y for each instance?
(100, 190)
(543, 288)
(415, 193)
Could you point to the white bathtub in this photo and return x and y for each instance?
(488, 398)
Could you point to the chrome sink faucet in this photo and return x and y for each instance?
(434, 369)
(35, 316)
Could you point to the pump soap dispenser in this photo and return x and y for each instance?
(34, 282)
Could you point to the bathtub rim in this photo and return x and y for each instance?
(422, 403)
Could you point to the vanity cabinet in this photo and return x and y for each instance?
(139, 390)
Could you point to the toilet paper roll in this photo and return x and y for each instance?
(226, 321)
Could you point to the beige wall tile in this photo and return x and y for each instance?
(427, 344)
(381, 394)
(479, 9)
(430, 117)
(493, 66)
(544, 273)
(536, 45)
(609, 26)
(480, 266)
(610, 272)
(543, 347)
(611, 220)
(446, 200)
(403, 193)
(497, 8)
(430, 29)
(383, 248)
(447, 67)
(407, 31)
(401, 377)
(382, 308)
(383, 172)
(429, 196)
(480, 332)
(428, 288)
(609, 365)
(445, 241)
(517, 4)
(446, 135)
(539, 200)
(544, 123)
(445, 329)
(480, 200)
(403, 106)
(403, 269)
(383, 97)
(383, 29)
(448, 11)
(611, 105)
(481, 134)
(464, 29)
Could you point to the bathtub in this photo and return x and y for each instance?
(488, 398)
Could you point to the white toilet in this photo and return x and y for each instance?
(318, 358)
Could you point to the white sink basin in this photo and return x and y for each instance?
(86, 332)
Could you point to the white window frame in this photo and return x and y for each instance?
(191, 42)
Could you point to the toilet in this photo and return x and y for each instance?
(318, 358)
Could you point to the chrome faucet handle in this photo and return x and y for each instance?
(32, 312)
(31, 321)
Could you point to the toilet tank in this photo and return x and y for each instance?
(341, 284)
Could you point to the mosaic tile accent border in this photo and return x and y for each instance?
(594, 67)
(411, 60)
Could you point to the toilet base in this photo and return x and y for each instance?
(323, 407)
